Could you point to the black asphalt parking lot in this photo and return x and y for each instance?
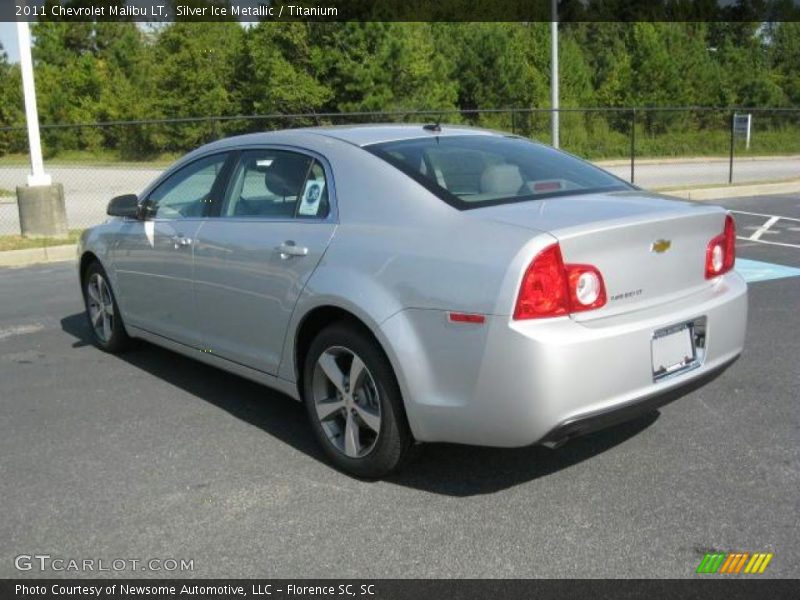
(152, 455)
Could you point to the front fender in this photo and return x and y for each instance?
(100, 241)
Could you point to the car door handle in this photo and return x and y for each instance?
(181, 241)
(288, 249)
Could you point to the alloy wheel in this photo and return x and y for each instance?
(101, 307)
(347, 402)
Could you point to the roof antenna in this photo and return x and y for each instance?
(434, 127)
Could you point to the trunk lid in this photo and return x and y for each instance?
(650, 249)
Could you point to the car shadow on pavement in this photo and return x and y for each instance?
(447, 469)
(455, 470)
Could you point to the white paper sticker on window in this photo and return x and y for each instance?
(311, 197)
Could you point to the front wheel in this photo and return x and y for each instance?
(105, 321)
(354, 403)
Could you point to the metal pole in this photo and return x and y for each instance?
(730, 163)
(633, 142)
(38, 176)
(554, 75)
(749, 124)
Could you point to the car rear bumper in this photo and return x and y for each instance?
(514, 383)
(581, 425)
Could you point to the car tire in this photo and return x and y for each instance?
(105, 321)
(362, 428)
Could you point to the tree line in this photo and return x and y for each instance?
(98, 72)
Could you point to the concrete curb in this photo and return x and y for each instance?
(736, 191)
(32, 256)
(622, 162)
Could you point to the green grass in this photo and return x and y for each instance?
(604, 143)
(6, 193)
(17, 242)
(597, 137)
(102, 158)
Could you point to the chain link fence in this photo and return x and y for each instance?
(97, 161)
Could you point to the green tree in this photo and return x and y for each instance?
(657, 80)
(605, 47)
(275, 73)
(744, 59)
(382, 66)
(785, 54)
(194, 75)
(492, 66)
(88, 72)
(11, 105)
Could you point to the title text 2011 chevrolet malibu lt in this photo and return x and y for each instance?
(416, 283)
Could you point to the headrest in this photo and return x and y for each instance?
(285, 175)
(501, 179)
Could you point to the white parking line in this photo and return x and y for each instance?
(760, 231)
(742, 212)
(8, 332)
(771, 220)
(747, 239)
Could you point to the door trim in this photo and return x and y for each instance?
(286, 387)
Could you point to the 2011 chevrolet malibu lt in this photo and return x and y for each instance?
(421, 283)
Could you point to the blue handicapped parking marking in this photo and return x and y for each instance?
(755, 270)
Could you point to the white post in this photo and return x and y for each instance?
(38, 176)
(749, 123)
(554, 75)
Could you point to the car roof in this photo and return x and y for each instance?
(358, 135)
(314, 138)
(364, 135)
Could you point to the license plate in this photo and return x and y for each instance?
(673, 350)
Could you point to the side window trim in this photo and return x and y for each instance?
(220, 182)
(333, 212)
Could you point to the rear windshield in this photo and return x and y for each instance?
(471, 171)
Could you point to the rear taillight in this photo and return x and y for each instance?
(552, 289)
(544, 287)
(721, 250)
(586, 287)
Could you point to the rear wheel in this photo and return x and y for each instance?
(354, 403)
(105, 321)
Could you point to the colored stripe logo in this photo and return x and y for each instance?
(734, 563)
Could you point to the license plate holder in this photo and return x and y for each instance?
(673, 350)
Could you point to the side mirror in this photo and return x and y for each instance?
(124, 206)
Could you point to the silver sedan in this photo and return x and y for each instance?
(421, 283)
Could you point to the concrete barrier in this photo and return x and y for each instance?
(42, 211)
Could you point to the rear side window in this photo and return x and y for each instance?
(482, 170)
(277, 184)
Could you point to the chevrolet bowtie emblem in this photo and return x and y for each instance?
(660, 246)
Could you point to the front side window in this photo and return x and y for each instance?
(187, 192)
(277, 184)
(470, 171)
